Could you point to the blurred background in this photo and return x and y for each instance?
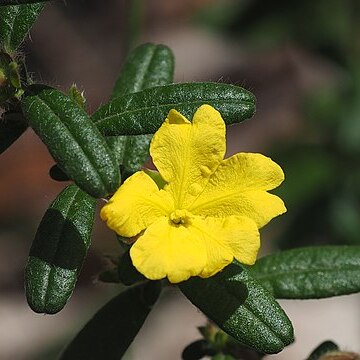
(300, 59)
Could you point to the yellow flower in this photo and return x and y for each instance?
(210, 209)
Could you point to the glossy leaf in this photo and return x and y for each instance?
(242, 308)
(57, 174)
(72, 140)
(127, 272)
(143, 112)
(58, 250)
(147, 66)
(20, 2)
(310, 273)
(15, 23)
(197, 350)
(322, 349)
(110, 332)
(12, 126)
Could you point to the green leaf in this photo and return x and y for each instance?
(322, 349)
(127, 272)
(57, 174)
(242, 308)
(72, 139)
(223, 357)
(136, 153)
(12, 126)
(15, 23)
(58, 250)
(10, 84)
(19, 2)
(147, 66)
(143, 112)
(110, 332)
(197, 350)
(310, 273)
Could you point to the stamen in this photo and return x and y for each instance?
(180, 216)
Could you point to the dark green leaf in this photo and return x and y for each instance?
(109, 276)
(12, 126)
(136, 153)
(58, 250)
(15, 23)
(110, 332)
(223, 357)
(197, 350)
(72, 140)
(19, 2)
(143, 112)
(322, 349)
(127, 272)
(310, 273)
(242, 308)
(147, 66)
(57, 174)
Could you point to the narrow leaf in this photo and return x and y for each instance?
(111, 331)
(57, 174)
(143, 112)
(58, 250)
(72, 139)
(197, 350)
(242, 308)
(127, 272)
(12, 126)
(15, 23)
(310, 273)
(20, 2)
(147, 66)
(322, 349)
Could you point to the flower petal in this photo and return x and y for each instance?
(136, 205)
(238, 187)
(168, 250)
(226, 238)
(186, 154)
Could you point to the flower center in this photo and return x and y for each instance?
(180, 216)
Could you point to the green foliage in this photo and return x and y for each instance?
(20, 2)
(147, 66)
(12, 126)
(57, 174)
(242, 308)
(197, 350)
(72, 139)
(58, 250)
(322, 349)
(127, 272)
(310, 273)
(10, 84)
(15, 23)
(110, 332)
(143, 112)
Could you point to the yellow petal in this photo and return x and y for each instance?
(136, 205)
(168, 250)
(234, 236)
(201, 247)
(238, 187)
(186, 154)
